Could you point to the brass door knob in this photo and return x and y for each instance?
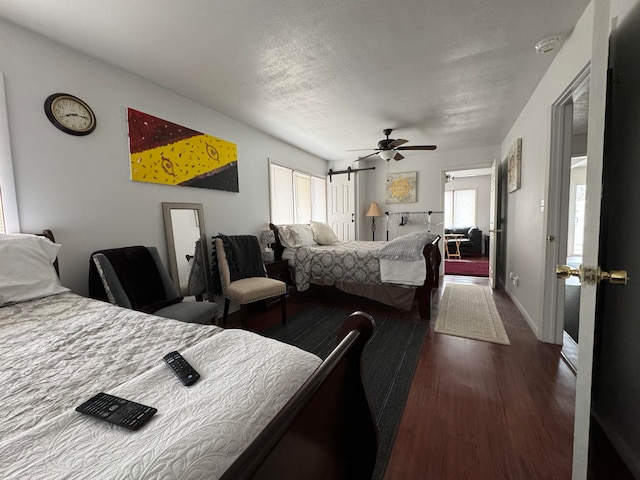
(591, 276)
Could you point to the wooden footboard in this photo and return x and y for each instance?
(433, 257)
(326, 430)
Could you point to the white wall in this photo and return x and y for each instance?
(525, 221)
(430, 168)
(79, 186)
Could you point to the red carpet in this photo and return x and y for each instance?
(476, 267)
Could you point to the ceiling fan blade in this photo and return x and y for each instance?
(398, 156)
(362, 158)
(418, 147)
(363, 149)
(397, 143)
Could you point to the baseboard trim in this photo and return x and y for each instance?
(524, 313)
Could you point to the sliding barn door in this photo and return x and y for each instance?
(341, 214)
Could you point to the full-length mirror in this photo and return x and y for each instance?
(187, 248)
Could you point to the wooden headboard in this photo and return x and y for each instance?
(49, 234)
(278, 248)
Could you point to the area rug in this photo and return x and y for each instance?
(469, 311)
(389, 362)
(474, 268)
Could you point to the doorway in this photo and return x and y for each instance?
(566, 214)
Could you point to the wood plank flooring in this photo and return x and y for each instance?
(476, 410)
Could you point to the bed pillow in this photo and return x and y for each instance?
(407, 247)
(296, 235)
(323, 234)
(26, 269)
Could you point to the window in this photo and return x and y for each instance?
(459, 208)
(296, 197)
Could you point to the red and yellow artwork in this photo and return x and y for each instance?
(167, 153)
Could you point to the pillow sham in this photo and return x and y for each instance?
(26, 270)
(295, 235)
(405, 247)
(323, 234)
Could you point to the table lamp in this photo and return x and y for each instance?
(268, 237)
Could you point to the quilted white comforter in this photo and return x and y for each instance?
(61, 350)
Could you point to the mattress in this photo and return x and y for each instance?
(61, 350)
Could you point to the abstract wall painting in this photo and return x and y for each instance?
(170, 154)
(401, 187)
(515, 166)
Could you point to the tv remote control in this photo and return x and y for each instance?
(117, 410)
(185, 372)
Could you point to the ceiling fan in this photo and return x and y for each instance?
(388, 148)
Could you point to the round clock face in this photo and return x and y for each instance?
(70, 114)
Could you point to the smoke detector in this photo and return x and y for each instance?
(548, 44)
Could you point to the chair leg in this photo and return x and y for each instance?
(243, 315)
(227, 302)
(283, 307)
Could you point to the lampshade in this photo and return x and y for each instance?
(374, 210)
(387, 155)
(267, 237)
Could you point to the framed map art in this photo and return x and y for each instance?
(401, 187)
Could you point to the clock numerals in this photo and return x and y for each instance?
(70, 114)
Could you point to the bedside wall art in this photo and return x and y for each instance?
(170, 154)
(401, 187)
(515, 166)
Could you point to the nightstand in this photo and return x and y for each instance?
(278, 270)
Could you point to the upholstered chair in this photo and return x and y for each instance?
(108, 283)
(247, 290)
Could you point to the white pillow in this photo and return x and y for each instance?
(26, 270)
(295, 235)
(323, 234)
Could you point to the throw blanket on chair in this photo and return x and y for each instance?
(243, 256)
(138, 274)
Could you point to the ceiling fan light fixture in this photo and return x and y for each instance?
(387, 154)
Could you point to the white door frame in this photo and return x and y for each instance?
(556, 230)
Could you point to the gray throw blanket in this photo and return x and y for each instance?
(243, 256)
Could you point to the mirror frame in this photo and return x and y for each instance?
(167, 207)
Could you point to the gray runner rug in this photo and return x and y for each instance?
(389, 362)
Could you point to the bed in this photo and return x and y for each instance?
(398, 277)
(262, 409)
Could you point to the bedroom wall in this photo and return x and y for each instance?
(526, 242)
(79, 186)
(430, 168)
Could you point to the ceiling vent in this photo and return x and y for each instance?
(548, 44)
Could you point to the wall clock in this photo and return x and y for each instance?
(70, 114)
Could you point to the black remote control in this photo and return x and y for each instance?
(117, 410)
(185, 372)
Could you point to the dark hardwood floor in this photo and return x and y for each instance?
(476, 410)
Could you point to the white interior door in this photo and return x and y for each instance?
(494, 229)
(595, 149)
(341, 211)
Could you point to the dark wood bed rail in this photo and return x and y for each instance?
(326, 430)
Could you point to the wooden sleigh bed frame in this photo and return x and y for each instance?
(326, 430)
(433, 258)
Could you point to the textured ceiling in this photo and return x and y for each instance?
(326, 76)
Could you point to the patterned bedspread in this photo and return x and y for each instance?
(350, 262)
(61, 350)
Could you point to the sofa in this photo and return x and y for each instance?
(470, 241)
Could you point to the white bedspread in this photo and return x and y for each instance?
(403, 272)
(66, 348)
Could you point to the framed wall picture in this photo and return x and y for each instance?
(401, 187)
(515, 166)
